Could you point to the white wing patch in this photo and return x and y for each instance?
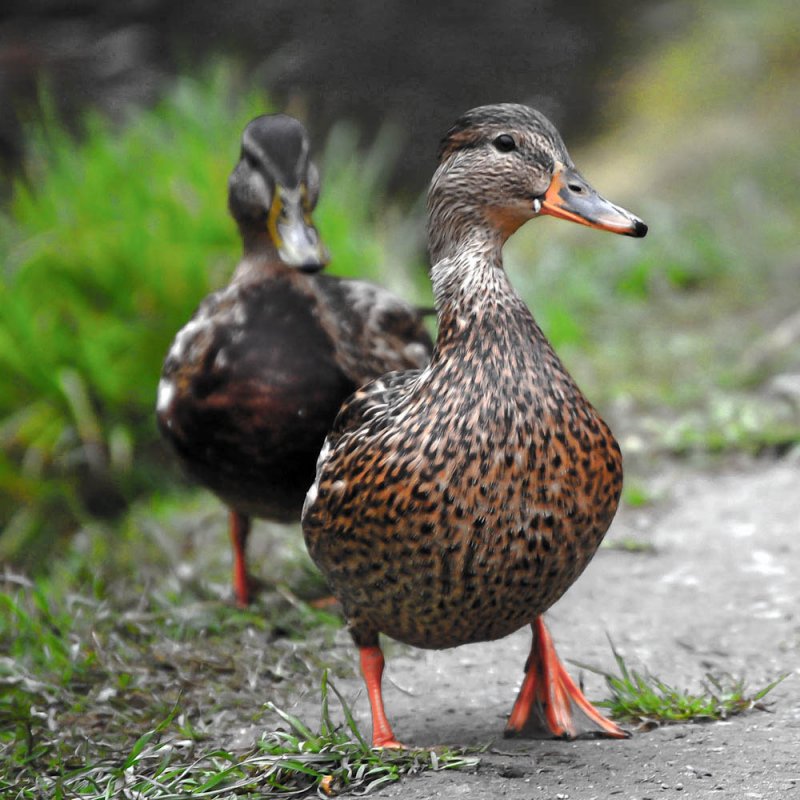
(311, 495)
(224, 308)
(186, 335)
(166, 391)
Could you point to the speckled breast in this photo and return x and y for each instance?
(471, 520)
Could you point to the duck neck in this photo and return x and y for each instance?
(467, 268)
(260, 257)
(256, 242)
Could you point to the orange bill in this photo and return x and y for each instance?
(570, 196)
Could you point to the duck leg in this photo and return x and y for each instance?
(549, 704)
(372, 670)
(240, 530)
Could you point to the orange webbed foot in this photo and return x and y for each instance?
(389, 743)
(550, 704)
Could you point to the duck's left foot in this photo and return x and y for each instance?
(549, 704)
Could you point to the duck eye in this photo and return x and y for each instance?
(505, 143)
(250, 161)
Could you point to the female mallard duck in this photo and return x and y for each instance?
(458, 502)
(252, 383)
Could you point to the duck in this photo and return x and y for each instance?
(251, 384)
(456, 502)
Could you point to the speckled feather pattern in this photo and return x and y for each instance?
(456, 503)
(476, 490)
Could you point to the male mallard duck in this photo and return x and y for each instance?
(252, 383)
(458, 502)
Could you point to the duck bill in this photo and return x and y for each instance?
(572, 197)
(293, 232)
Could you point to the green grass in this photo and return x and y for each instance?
(106, 249)
(93, 650)
(146, 689)
(640, 697)
(629, 545)
(636, 495)
(84, 666)
(167, 761)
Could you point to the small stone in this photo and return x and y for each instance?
(510, 771)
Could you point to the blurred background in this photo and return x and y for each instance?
(121, 122)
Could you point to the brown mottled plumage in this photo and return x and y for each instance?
(252, 383)
(458, 502)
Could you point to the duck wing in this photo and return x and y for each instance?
(370, 409)
(373, 330)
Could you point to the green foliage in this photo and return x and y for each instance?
(732, 423)
(628, 545)
(340, 757)
(642, 697)
(636, 495)
(107, 248)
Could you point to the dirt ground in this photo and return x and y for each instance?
(719, 593)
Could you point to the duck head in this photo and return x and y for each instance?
(501, 165)
(273, 190)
